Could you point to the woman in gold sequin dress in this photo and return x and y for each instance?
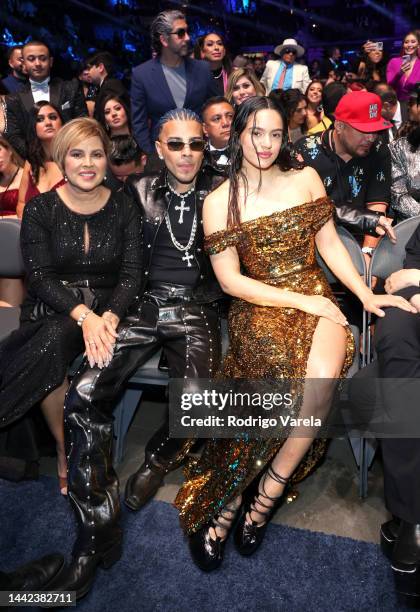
(262, 226)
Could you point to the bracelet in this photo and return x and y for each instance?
(83, 317)
(368, 250)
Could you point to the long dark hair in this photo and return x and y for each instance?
(286, 159)
(199, 46)
(122, 99)
(36, 153)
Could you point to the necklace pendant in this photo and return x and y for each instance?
(187, 258)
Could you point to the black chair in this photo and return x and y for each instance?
(362, 451)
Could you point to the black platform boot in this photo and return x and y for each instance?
(405, 561)
(389, 535)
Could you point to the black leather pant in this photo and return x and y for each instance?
(190, 336)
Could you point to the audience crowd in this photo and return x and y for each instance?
(93, 146)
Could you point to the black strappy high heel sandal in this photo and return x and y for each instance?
(207, 553)
(248, 536)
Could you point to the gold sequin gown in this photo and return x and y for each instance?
(264, 342)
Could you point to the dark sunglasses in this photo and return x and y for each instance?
(289, 50)
(179, 145)
(180, 32)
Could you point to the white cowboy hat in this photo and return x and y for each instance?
(290, 42)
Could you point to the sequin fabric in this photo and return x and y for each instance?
(405, 187)
(265, 342)
(34, 358)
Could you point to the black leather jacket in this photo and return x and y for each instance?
(152, 195)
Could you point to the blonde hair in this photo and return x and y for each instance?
(15, 157)
(250, 76)
(74, 132)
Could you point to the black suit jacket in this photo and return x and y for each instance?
(67, 96)
(151, 97)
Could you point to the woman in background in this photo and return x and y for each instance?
(113, 113)
(40, 172)
(295, 106)
(211, 47)
(403, 73)
(11, 171)
(243, 84)
(316, 121)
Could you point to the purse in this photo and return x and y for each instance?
(84, 295)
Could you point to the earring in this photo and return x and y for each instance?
(65, 177)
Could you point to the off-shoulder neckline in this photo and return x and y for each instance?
(265, 217)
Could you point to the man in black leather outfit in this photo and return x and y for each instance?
(176, 308)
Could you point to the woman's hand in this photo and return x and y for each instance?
(415, 302)
(99, 337)
(409, 277)
(373, 303)
(111, 321)
(322, 307)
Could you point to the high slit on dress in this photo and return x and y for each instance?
(264, 342)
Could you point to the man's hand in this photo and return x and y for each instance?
(384, 227)
(402, 279)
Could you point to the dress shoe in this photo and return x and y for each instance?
(34, 576)
(405, 560)
(207, 553)
(142, 485)
(80, 573)
(389, 535)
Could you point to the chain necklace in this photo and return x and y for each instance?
(180, 247)
(183, 197)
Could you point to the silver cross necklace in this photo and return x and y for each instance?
(182, 208)
(180, 247)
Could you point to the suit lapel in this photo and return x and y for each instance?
(27, 98)
(55, 91)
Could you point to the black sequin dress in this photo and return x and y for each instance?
(34, 359)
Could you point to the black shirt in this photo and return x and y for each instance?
(358, 182)
(169, 265)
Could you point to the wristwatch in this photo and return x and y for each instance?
(368, 250)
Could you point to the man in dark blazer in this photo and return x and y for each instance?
(101, 68)
(171, 80)
(67, 96)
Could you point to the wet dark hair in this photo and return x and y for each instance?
(286, 159)
(36, 153)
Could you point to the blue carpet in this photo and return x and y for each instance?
(294, 571)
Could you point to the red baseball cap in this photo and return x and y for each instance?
(362, 110)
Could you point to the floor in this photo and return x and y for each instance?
(328, 500)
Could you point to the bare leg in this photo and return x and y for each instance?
(52, 408)
(326, 359)
(12, 291)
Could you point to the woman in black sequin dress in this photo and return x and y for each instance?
(81, 248)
